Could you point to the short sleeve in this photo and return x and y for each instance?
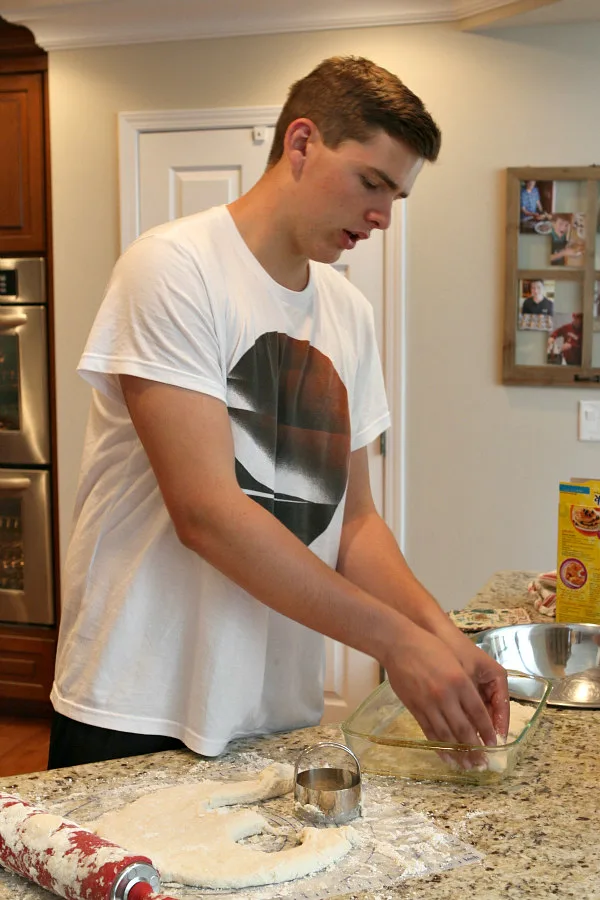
(370, 415)
(157, 321)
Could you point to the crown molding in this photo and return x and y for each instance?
(500, 15)
(65, 27)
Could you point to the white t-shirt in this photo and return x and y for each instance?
(153, 639)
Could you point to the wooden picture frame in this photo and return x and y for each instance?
(564, 248)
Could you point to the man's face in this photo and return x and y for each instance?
(537, 291)
(344, 193)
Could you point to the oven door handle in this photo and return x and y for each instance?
(16, 485)
(10, 320)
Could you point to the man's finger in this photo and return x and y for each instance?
(437, 729)
(499, 708)
(479, 719)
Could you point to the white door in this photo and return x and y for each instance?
(183, 172)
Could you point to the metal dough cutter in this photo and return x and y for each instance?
(326, 791)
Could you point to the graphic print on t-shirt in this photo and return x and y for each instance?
(286, 396)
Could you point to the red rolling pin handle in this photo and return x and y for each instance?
(68, 860)
(143, 891)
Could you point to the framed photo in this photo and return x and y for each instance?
(567, 239)
(536, 206)
(551, 327)
(536, 304)
(564, 341)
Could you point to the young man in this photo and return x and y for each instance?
(537, 303)
(570, 336)
(562, 251)
(224, 520)
(531, 204)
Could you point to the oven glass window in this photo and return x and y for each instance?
(10, 419)
(11, 545)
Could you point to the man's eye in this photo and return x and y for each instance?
(368, 184)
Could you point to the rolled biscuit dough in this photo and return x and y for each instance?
(192, 842)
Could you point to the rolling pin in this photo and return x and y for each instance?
(68, 860)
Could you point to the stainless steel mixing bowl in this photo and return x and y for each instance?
(568, 655)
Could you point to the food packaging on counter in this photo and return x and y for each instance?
(543, 590)
(578, 563)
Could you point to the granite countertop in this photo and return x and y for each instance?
(535, 829)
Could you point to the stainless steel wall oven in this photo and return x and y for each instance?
(26, 583)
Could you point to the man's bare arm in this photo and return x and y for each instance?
(370, 557)
(187, 437)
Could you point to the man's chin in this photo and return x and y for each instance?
(326, 255)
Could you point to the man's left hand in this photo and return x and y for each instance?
(488, 676)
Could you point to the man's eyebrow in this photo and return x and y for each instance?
(389, 181)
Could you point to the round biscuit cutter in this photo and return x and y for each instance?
(327, 794)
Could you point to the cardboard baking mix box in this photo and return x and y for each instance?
(578, 564)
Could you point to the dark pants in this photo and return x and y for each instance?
(73, 743)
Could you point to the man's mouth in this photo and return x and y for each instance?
(351, 238)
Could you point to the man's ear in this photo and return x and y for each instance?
(300, 134)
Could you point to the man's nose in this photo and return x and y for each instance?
(380, 217)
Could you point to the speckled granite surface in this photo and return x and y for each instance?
(538, 829)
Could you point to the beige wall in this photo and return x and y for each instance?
(483, 460)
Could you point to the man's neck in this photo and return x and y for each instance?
(262, 223)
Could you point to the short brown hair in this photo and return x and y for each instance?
(350, 98)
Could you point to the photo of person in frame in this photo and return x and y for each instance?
(576, 245)
(536, 305)
(536, 205)
(567, 239)
(564, 343)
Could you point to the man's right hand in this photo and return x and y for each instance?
(431, 682)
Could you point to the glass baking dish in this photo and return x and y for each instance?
(388, 741)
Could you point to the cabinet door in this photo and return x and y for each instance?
(26, 668)
(22, 183)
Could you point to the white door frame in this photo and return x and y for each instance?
(132, 124)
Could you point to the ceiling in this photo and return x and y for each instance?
(60, 24)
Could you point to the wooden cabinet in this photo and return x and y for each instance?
(22, 175)
(27, 651)
(26, 668)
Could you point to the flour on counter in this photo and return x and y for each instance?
(394, 843)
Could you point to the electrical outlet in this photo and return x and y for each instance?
(589, 420)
